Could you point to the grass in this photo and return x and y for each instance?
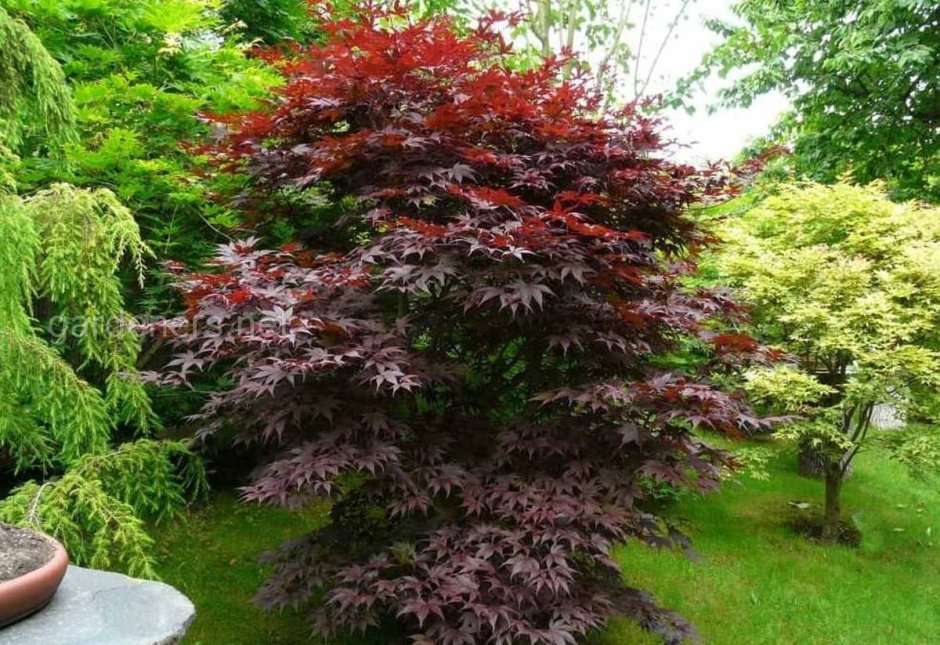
(758, 582)
(755, 580)
(211, 555)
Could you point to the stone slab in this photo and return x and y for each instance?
(102, 608)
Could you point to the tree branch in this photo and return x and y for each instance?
(662, 45)
(639, 50)
(622, 22)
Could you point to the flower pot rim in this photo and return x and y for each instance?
(31, 591)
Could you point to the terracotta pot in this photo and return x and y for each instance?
(31, 592)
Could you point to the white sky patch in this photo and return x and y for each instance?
(709, 137)
(704, 136)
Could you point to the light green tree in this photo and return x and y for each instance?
(848, 283)
(33, 93)
(68, 349)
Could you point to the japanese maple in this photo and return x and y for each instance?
(465, 361)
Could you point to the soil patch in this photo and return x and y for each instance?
(21, 551)
(811, 529)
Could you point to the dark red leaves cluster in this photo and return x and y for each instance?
(472, 380)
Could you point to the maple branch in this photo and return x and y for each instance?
(864, 423)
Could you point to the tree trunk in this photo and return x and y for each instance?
(833, 512)
(811, 462)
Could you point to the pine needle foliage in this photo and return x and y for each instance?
(31, 80)
(99, 507)
(68, 354)
(63, 246)
(86, 236)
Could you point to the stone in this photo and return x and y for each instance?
(99, 607)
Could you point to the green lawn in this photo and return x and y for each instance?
(211, 555)
(756, 581)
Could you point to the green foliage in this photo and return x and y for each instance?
(141, 72)
(65, 248)
(916, 446)
(98, 508)
(861, 77)
(752, 463)
(8, 164)
(841, 276)
(61, 248)
(270, 21)
(784, 388)
(849, 283)
(68, 356)
(51, 416)
(34, 98)
(68, 351)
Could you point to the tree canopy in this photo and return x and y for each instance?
(141, 72)
(862, 78)
(848, 283)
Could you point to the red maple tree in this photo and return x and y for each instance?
(465, 357)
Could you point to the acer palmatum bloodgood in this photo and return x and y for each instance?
(463, 360)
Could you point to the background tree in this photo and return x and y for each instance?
(620, 44)
(141, 72)
(615, 41)
(862, 78)
(33, 92)
(464, 360)
(849, 283)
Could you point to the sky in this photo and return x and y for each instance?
(710, 136)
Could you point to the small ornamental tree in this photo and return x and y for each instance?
(68, 351)
(465, 361)
(849, 283)
(68, 347)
